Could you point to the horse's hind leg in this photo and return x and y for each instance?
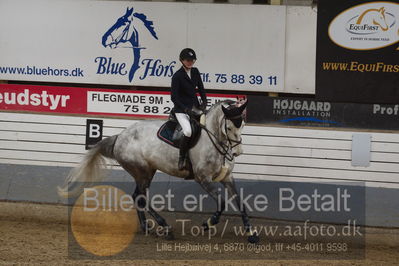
(167, 229)
(143, 178)
(140, 213)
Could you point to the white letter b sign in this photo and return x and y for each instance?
(94, 132)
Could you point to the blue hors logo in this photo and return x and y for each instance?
(125, 33)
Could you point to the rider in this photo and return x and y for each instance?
(184, 84)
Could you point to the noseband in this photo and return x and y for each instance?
(223, 148)
(231, 141)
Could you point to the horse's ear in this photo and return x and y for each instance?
(243, 106)
(382, 10)
(225, 110)
(129, 11)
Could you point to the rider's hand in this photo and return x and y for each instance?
(203, 106)
(189, 112)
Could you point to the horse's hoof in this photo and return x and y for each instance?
(253, 239)
(205, 226)
(210, 223)
(144, 229)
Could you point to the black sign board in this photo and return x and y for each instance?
(358, 51)
(310, 112)
(94, 132)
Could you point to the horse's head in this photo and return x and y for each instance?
(119, 32)
(379, 19)
(232, 125)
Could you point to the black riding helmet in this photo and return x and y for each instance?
(187, 54)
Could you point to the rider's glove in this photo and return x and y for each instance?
(189, 112)
(203, 106)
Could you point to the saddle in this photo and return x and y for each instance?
(171, 131)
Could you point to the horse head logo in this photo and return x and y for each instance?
(124, 34)
(368, 26)
(374, 16)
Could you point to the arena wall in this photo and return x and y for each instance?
(37, 152)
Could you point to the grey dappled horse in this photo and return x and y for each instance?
(141, 153)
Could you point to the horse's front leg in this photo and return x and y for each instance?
(212, 190)
(229, 184)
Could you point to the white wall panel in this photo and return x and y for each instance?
(234, 40)
(300, 63)
(270, 153)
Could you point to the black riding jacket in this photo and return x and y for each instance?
(184, 89)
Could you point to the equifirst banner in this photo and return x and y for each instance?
(239, 47)
(358, 51)
(91, 101)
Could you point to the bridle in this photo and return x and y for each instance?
(125, 32)
(223, 148)
(231, 141)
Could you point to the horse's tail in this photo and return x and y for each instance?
(90, 169)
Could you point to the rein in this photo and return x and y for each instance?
(223, 148)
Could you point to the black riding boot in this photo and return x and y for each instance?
(183, 152)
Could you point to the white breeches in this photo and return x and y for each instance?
(184, 121)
